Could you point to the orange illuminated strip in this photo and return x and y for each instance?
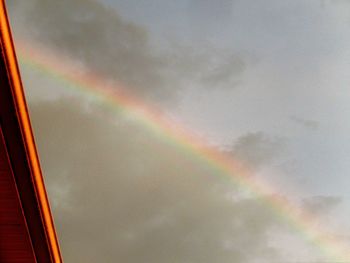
(27, 134)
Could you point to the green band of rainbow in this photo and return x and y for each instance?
(116, 98)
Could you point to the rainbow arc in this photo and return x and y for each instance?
(116, 97)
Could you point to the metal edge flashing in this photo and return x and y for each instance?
(27, 134)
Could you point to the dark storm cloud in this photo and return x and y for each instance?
(107, 44)
(119, 194)
(257, 149)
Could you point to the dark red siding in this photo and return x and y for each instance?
(15, 245)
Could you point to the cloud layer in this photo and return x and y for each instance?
(112, 47)
(95, 35)
(120, 194)
(257, 149)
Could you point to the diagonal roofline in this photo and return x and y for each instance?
(20, 145)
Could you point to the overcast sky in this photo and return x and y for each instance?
(266, 82)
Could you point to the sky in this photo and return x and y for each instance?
(264, 82)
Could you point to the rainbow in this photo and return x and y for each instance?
(115, 96)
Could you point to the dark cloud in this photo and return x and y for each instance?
(107, 44)
(257, 149)
(120, 194)
(97, 36)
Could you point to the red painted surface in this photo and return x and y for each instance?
(15, 245)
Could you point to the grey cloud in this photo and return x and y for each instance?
(206, 67)
(120, 50)
(97, 36)
(224, 73)
(217, 13)
(257, 149)
(320, 205)
(119, 194)
(338, 1)
(309, 124)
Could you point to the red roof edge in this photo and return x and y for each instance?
(22, 155)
